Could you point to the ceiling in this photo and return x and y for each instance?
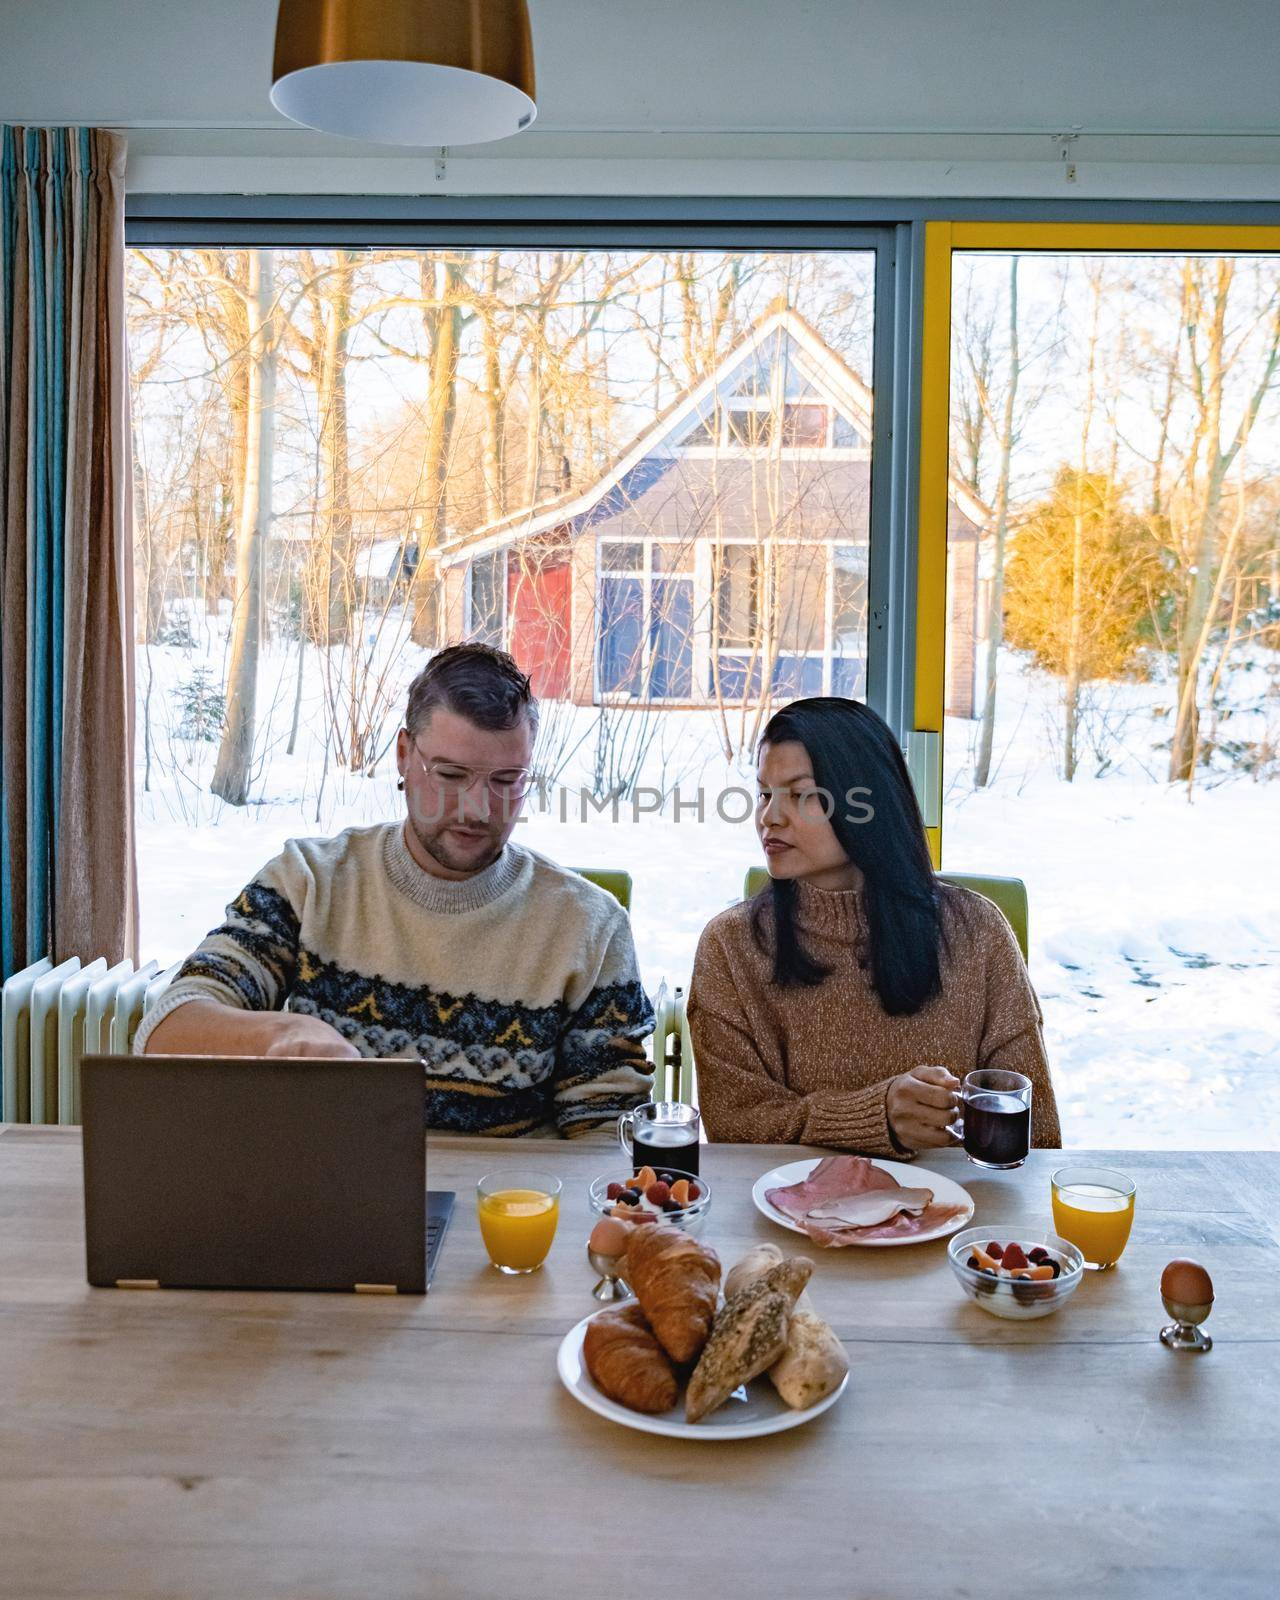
(906, 97)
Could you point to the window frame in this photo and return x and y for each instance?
(943, 239)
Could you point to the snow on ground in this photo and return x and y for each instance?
(1154, 943)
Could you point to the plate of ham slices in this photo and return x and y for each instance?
(851, 1200)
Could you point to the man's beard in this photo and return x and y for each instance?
(437, 846)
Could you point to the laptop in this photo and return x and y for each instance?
(245, 1173)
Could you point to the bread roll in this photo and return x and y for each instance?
(812, 1366)
(814, 1363)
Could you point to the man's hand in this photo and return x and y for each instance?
(920, 1105)
(293, 1035)
(214, 1028)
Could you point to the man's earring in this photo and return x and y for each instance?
(400, 785)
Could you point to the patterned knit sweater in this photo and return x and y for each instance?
(813, 1065)
(518, 986)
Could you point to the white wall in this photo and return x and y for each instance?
(814, 97)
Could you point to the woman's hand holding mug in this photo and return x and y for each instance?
(921, 1105)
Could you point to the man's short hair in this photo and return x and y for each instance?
(474, 681)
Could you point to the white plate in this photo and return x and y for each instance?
(748, 1413)
(946, 1192)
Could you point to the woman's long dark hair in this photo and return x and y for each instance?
(857, 763)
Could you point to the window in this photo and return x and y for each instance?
(646, 632)
(629, 542)
(805, 425)
(749, 426)
(486, 596)
(1108, 739)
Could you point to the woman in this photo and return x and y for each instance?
(843, 1005)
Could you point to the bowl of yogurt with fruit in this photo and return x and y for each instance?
(1015, 1274)
(650, 1195)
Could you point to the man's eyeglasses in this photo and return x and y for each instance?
(509, 784)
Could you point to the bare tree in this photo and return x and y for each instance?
(1212, 358)
(1005, 436)
(233, 770)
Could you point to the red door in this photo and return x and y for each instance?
(538, 604)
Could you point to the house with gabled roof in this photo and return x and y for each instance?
(722, 557)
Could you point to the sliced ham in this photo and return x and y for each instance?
(865, 1210)
(834, 1178)
(836, 1183)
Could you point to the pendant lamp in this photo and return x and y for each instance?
(416, 72)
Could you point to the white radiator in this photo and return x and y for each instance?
(52, 1016)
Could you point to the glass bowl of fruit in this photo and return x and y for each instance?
(651, 1195)
(1013, 1273)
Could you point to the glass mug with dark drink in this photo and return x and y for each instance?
(995, 1121)
(662, 1134)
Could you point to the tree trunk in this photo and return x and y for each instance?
(493, 465)
(331, 589)
(443, 289)
(999, 534)
(233, 771)
(1071, 695)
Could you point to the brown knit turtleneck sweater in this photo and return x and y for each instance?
(813, 1065)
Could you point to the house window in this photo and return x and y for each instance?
(486, 597)
(799, 619)
(646, 616)
(805, 425)
(849, 621)
(810, 636)
(749, 426)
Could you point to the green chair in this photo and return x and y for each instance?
(617, 883)
(1009, 895)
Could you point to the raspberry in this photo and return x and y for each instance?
(695, 1193)
(613, 1191)
(996, 1250)
(658, 1194)
(1013, 1256)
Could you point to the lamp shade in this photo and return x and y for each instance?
(417, 72)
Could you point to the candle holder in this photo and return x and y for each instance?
(611, 1285)
(1184, 1332)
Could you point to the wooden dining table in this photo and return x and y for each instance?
(261, 1445)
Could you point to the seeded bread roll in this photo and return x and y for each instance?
(814, 1363)
(748, 1336)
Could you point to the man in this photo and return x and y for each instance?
(513, 978)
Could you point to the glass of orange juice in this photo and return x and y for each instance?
(518, 1212)
(1093, 1208)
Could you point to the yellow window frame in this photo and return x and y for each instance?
(942, 240)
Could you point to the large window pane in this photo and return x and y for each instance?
(1113, 658)
(628, 467)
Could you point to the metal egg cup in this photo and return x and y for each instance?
(1184, 1332)
(611, 1285)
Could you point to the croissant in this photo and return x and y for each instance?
(677, 1282)
(627, 1362)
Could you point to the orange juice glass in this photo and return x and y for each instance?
(1093, 1208)
(518, 1212)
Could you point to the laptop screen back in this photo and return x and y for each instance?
(245, 1173)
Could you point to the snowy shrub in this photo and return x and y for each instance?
(202, 707)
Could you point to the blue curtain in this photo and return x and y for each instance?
(66, 875)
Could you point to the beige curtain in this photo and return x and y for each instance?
(70, 854)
